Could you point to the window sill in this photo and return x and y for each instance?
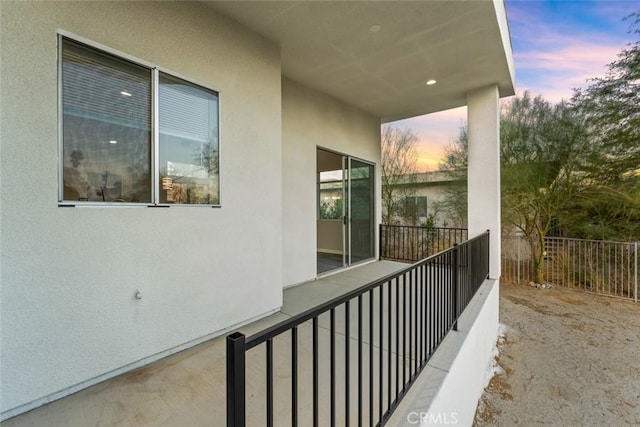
(68, 204)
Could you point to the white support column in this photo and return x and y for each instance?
(483, 205)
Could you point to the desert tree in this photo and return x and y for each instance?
(610, 207)
(543, 155)
(611, 108)
(542, 151)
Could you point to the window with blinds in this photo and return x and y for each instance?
(188, 120)
(109, 140)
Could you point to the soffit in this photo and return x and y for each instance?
(334, 47)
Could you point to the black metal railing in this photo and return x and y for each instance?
(351, 360)
(406, 243)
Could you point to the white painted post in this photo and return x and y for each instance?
(483, 178)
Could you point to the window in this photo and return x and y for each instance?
(416, 206)
(134, 134)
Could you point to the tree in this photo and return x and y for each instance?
(454, 162)
(611, 107)
(399, 164)
(610, 207)
(605, 212)
(542, 149)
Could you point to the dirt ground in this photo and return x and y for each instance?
(567, 358)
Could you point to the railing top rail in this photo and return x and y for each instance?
(473, 238)
(613, 242)
(426, 228)
(285, 325)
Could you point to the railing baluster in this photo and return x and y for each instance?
(404, 330)
(269, 348)
(410, 361)
(371, 357)
(389, 352)
(315, 370)
(432, 323)
(294, 376)
(441, 298)
(380, 357)
(347, 378)
(455, 266)
(424, 313)
(419, 311)
(397, 282)
(415, 320)
(332, 365)
(359, 360)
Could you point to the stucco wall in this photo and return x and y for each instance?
(69, 275)
(310, 120)
(435, 194)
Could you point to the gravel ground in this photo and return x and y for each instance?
(567, 358)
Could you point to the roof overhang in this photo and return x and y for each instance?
(378, 55)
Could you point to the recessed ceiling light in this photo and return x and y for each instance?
(431, 82)
(124, 93)
(375, 28)
(113, 141)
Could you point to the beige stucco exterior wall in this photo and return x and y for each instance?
(310, 120)
(69, 275)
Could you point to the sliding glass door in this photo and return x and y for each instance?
(346, 216)
(361, 207)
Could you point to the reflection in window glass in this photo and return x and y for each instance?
(330, 193)
(188, 152)
(106, 106)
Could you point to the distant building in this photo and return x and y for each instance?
(424, 194)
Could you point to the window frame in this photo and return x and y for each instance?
(154, 78)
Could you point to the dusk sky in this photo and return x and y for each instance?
(557, 46)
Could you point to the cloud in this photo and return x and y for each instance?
(570, 57)
(554, 73)
(435, 132)
(561, 45)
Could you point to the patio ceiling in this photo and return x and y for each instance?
(378, 55)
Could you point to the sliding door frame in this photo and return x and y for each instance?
(347, 208)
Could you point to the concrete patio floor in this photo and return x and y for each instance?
(189, 388)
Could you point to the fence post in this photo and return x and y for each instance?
(518, 250)
(488, 258)
(635, 270)
(380, 241)
(454, 262)
(236, 380)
